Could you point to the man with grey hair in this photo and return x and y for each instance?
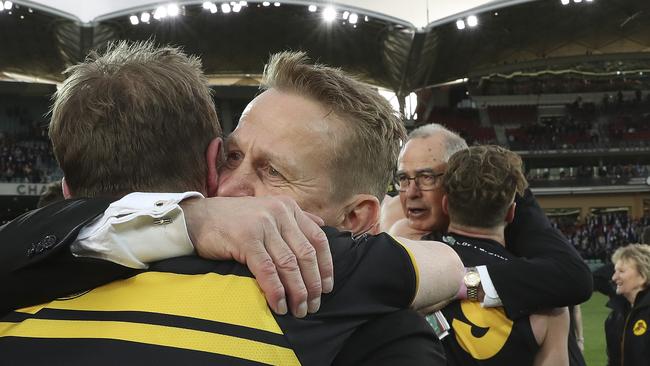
(424, 159)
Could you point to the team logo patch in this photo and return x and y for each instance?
(640, 327)
(486, 331)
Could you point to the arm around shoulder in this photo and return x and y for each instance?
(440, 272)
(549, 272)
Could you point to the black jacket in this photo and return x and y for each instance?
(550, 272)
(626, 331)
(36, 266)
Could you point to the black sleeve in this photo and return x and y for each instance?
(373, 276)
(550, 272)
(35, 260)
(372, 271)
(402, 338)
(603, 280)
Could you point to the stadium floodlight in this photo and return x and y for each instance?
(276, 4)
(173, 10)
(145, 17)
(365, 19)
(565, 2)
(354, 18)
(460, 24)
(8, 5)
(236, 8)
(312, 8)
(329, 14)
(472, 21)
(207, 5)
(213, 8)
(225, 8)
(134, 19)
(266, 3)
(589, 1)
(346, 14)
(161, 12)
(577, 1)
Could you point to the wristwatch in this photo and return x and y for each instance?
(472, 281)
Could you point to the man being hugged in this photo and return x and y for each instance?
(480, 184)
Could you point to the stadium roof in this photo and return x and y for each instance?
(415, 13)
(401, 45)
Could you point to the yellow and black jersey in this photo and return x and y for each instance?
(485, 336)
(192, 311)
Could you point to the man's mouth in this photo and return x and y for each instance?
(417, 212)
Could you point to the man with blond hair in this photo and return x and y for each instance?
(480, 185)
(270, 153)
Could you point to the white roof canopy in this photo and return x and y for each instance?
(414, 13)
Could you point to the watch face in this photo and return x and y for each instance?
(472, 279)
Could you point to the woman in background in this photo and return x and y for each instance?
(626, 328)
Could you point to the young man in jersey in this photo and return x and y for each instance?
(480, 185)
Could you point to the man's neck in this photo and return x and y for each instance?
(495, 234)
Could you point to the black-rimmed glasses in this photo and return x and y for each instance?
(425, 181)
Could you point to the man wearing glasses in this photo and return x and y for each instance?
(550, 273)
(423, 160)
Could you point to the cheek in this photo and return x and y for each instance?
(402, 200)
(639, 280)
(433, 200)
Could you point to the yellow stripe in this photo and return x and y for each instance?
(32, 309)
(152, 334)
(415, 266)
(225, 298)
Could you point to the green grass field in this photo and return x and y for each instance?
(594, 313)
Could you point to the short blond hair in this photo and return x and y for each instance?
(638, 255)
(481, 183)
(134, 118)
(368, 146)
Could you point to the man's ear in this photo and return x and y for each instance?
(212, 156)
(510, 215)
(65, 188)
(362, 214)
(445, 205)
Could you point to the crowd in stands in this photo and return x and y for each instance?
(616, 122)
(26, 161)
(25, 151)
(584, 173)
(598, 236)
(555, 85)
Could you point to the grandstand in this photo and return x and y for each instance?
(575, 105)
(566, 84)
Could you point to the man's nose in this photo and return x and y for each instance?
(412, 189)
(237, 183)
